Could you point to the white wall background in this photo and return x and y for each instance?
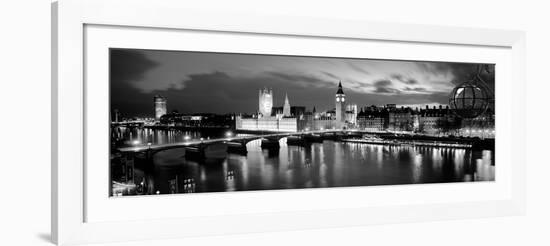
(25, 117)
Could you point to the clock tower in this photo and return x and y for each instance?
(340, 103)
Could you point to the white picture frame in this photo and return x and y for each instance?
(72, 207)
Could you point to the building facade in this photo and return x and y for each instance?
(434, 121)
(372, 119)
(270, 124)
(286, 107)
(265, 101)
(160, 106)
(269, 118)
(400, 119)
(340, 104)
(298, 111)
(482, 126)
(351, 114)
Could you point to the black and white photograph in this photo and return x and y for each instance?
(237, 123)
(199, 122)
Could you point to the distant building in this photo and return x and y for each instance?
(198, 120)
(400, 119)
(265, 102)
(117, 115)
(315, 114)
(434, 121)
(351, 114)
(277, 112)
(274, 119)
(482, 126)
(288, 118)
(160, 106)
(340, 104)
(298, 111)
(286, 107)
(372, 119)
(272, 124)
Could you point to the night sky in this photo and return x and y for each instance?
(199, 82)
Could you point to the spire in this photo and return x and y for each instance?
(286, 98)
(340, 91)
(286, 106)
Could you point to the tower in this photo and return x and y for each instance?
(160, 106)
(315, 114)
(286, 107)
(265, 102)
(116, 115)
(340, 103)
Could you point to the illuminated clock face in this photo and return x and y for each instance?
(337, 99)
(343, 99)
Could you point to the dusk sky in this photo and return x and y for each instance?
(196, 82)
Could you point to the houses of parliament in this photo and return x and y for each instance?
(435, 121)
(287, 118)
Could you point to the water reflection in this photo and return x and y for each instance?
(326, 164)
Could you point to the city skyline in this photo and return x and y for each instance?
(216, 122)
(198, 82)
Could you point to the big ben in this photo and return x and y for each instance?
(340, 103)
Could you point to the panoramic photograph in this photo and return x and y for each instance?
(200, 122)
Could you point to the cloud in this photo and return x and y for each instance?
(403, 79)
(203, 83)
(218, 92)
(416, 89)
(384, 86)
(382, 83)
(331, 75)
(357, 68)
(461, 72)
(302, 79)
(128, 66)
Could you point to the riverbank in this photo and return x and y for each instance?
(410, 143)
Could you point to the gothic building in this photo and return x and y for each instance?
(287, 118)
(265, 101)
(340, 104)
(160, 106)
(286, 107)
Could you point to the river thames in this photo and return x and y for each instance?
(315, 165)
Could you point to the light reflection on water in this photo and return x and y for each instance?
(338, 164)
(327, 164)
